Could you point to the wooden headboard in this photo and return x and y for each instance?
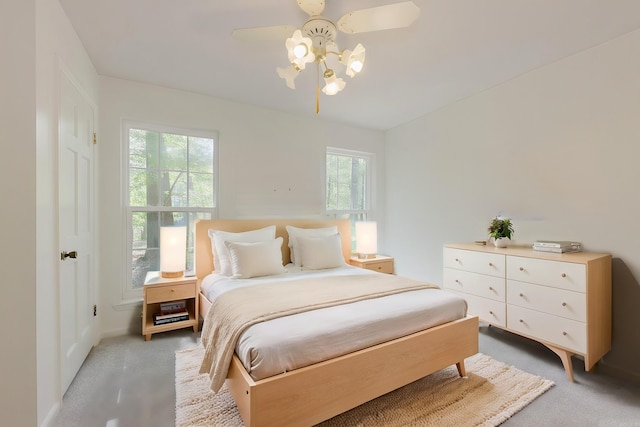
(204, 256)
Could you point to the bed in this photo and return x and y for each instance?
(320, 389)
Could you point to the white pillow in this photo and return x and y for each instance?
(221, 259)
(317, 253)
(256, 259)
(295, 232)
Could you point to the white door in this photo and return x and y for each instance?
(75, 192)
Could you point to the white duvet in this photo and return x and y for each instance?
(292, 342)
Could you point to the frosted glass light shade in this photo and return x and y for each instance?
(333, 84)
(289, 74)
(354, 60)
(173, 251)
(366, 239)
(299, 49)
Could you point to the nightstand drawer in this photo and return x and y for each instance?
(382, 266)
(172, 292)
(381, 263)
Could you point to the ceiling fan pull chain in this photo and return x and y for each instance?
(317, 88)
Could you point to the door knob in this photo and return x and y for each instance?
(64, 255)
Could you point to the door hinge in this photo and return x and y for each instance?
(95, 139)
(95, 310)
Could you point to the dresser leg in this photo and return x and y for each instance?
(565, 356)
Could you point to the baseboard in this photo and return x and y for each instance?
(116, 333)
(618, 372)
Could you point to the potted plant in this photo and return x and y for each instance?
(501, 230)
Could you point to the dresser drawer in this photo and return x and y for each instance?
(476, 262)
(476, 284)
(169, 293)
(489, 310)
(556, 330)
(559, 302)
(564, 275)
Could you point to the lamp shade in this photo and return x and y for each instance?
(173, 251)
(366, 239)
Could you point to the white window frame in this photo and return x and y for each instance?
(128, 292)
(368, 213)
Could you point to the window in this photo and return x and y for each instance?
(171, 180)
(349, 179)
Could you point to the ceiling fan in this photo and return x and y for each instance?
(315, 39)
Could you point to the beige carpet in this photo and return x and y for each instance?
(490, 394)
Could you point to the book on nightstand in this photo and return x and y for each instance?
(173, 307)
(160, 319)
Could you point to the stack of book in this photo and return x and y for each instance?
(174, 311)
(558, 247)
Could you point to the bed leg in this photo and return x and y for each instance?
(461, 370)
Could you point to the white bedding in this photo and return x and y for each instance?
(292, 342)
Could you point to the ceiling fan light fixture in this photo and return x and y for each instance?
(333, 84)
(299, 49)
(314, 41)
(353, 60)
(289, 74)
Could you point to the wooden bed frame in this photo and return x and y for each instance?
(318, 392)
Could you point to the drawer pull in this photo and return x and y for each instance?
(379, 268)
(491, 313)
(491, 288)
(521, 295)
(563, 275)
(173, 290)
(521, 321)
(521, 268)
(564, 304)
(564, 333)
(457, 260)
(457, 281)
(490, 264)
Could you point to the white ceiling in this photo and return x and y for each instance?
(455, 49)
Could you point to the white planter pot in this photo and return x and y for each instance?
(502, 242)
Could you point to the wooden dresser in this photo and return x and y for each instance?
(560, 300)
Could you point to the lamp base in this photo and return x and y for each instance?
(366, 256)
(172, 274)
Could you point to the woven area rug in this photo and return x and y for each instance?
(490, 394)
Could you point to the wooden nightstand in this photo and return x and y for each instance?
(157, 290)
(381, 263)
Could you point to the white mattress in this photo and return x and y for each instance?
(292, 342)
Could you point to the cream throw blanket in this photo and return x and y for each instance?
(234, 311)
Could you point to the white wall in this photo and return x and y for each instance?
(271, 164)
(18, 217)
(556, 149)
(57, 45)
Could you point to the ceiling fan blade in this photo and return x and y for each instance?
(312, 7)
(387, 17)
(278, 32)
